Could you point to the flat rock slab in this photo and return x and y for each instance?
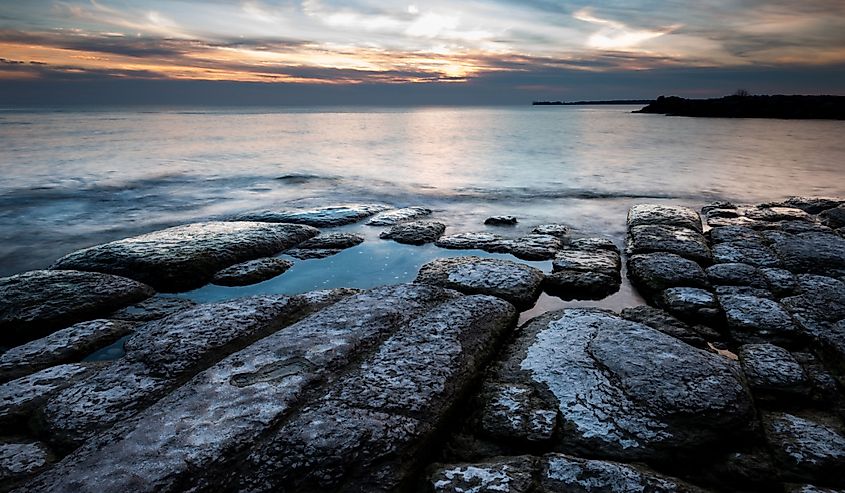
(669, 215)
(580, 285)
(820, 299)
(593, 243)
(833, 218)
(20, 397)
(664, 322)
(775, 213)
(820, 253)
(563, 473)
(321, 217)
(731, 234)
(415, 232)
(654, 272)
(695, 305)
(536, 247)
(679, 240)
(191, 439)
(751, 319)
(516, 413)
(806, 448)
(625, 390)
(152, 309)
(332, 241)
(64, 346)
(772, 371)
(814, 205)
(488, 242)
(251, 271)
(751, 252)
(517, 283)
(36, 303)
(500, 221)
(21, 459)
(557, 230)
(187, 257)
(605, 262)
(505, 475)
(735, 274)
(396, 216)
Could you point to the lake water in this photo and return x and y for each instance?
(76, 178)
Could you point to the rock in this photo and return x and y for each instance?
(734, 274)
(715, 220)
(752, 319)
(818, 253)
(749, 252)
(580, 285)
(654, 272)
(365, 432)
(693, 304)
(536, 247)
(598, 261)
(814, 205)
(734, 234)
(825, 389)
(186, 257)
(772, 372)
(500, 221)
(781, 282)
(312, 253)
(18, 460)
(475, 241)
(251, 271)
(821, 301)
(563, 473)
(322, 217)
(806, 449)
(667, 215)
(396, 216)
(718, 205)
(808, 488)
(517, 283)
(624, 390)
(660, 320)
(506, 475)
(513, 412)
(20, 397)
(193, 438)
(593, 244)
(64, 346)
(560, 231)
(672, 239)
(831, 344)
(36, 303)
(798, 227)
(777, 214)
(415, 232)
(163, 353)
(743, 291)
(152, 309)
(331, 241)
(834, 218)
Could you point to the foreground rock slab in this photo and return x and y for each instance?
(36, 303)
(321, 217)
(517, 283)
(187, 257)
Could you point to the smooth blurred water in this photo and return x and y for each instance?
(77, 178)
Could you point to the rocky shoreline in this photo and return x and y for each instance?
(730, 379)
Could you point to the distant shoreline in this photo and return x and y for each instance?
(746, 106)
(584, 103)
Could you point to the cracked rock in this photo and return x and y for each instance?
(672, 239)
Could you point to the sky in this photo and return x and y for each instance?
(395, 52)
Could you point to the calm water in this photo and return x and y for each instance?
(76, 178)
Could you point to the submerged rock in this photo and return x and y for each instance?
(654, 272)
(396, 216)
(512, 281)
(186, 257)
(805, 448)
(415, 232)
(669, 215)
(500, 221)
(321, 217)
(152, 309)
(64, 346)
(560, 231)
(505, 475)
(682, 241)
(251, 271)
(36, 303)
(773, 372)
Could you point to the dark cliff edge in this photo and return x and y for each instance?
(786, 107)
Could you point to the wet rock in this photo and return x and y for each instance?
(557, 230)
(251, 271)
(604, 262)
(332, 241)
(808, 488)
(186, 257)
(475, 241)
(506, 475)
(797, 227)
(693, 304)
(152, 309)
(671, 239)
(825, 390)
(322, 217)
(751, 252)
(36, 303)
(624, 390)
(593, 244)
(190, 438)
(365, 432)
(415, 232)
(536, 247)
(20, 397)
(734, 234)
(664, 322)
(580, 285)
(654, 272)
(500, 221)
(668, 215)
(751, 319)
(718, 205)
(806, 448)
(777, 214)
(311, 253)
(833, 218)
(821, 302)
(563, 473)
(773, 372)
(517, 283)
(781, 282)
(811, 252)
(733, 274)
(64, 346)
(814, 205)
(716, 220)
(831, 344)
(18, 460)
(162, 353)
(396, 216)
(743, 291)
(514, 412)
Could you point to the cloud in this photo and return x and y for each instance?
(615, 35)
